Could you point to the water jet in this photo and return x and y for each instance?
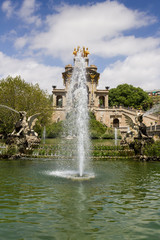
(77, 117)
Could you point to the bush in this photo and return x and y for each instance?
(54, 130)
(11, 150)
(94, 134)
(108, 136)
(152, 149)
(96, 128)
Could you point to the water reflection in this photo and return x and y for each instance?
(122, 201)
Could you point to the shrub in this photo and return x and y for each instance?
(11, 150)
(152, 149)
(96, 128)
(54, 130)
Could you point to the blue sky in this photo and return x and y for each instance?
(37, 39)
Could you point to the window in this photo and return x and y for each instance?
(101, 101)
(116, 123)
(59, 101)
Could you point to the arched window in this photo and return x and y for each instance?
(59, 101)
(101, 101)
(116, 123)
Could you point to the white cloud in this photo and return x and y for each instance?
(106, 28)
(93, 26)
(7, 8)
(140, 70)
(20, 42)
(9, 36)
(27, 12)
(126, 45)
(31, 71)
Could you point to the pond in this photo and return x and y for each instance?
(121, 202)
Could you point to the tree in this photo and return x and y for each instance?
(22, 96)
(129, 96)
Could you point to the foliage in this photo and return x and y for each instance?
(156, 99)
(129, 96)
(11, 150)
(153, 149)
(110, 134)
(54, 130)
(22, 96)
(99, 130)
(96, 128)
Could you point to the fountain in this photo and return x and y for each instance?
(44, 135)
(76, 124)
(11, 109)
(78, 110)
(23, 139)
(154, 109)
(115, 136)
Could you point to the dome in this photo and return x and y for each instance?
(68, 66)
(93, 66)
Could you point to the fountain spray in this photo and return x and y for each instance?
(77, 111)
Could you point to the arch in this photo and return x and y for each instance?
(59, 101)
(101, 101)
(116, 123)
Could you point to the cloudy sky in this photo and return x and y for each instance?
(37, 39)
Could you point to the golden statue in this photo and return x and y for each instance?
(78, 48)
(75, 52)
(84, 51)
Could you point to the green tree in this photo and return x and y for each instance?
(129, 96)
(22, 96)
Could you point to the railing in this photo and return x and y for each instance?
(153, 130)
(122, 108)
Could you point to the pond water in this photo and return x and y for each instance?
(121, 202)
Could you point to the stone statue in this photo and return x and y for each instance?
(23, 136)
(142, 130)
(137, 138)
(21, 126)
(25, 126)
(138, 128)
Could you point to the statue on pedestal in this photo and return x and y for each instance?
(24, 138)
(138, 137)
(23, 135)
(84, 51)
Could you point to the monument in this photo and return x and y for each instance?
(137, 138)
(113, 117)
(23, 138)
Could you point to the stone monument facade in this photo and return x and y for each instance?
(97, 99)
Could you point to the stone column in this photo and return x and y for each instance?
(96, 101)
(106, 101)
(54, 100)
(64, 101)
